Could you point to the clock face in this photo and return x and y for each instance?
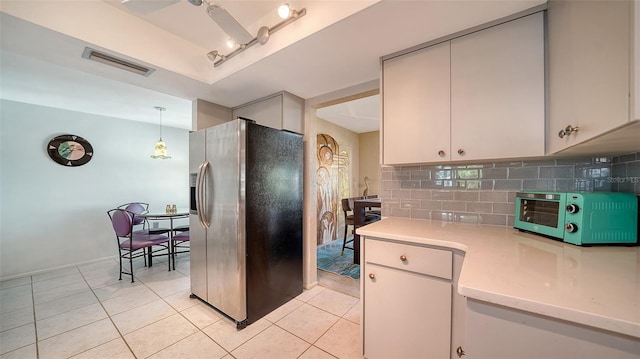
(70, 150)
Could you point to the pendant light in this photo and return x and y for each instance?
(161, 149)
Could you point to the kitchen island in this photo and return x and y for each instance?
(597, 288)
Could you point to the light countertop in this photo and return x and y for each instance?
(596, 286)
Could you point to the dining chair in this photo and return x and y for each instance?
(184, 228)
(133, 244)
(347, 209)
(137, 208)
(142, 208)
(179, 244)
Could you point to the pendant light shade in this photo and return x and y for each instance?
(160, 150)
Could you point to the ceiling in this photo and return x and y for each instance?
(337, 44)
(360, 115)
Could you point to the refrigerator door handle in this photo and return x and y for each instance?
(200, 196)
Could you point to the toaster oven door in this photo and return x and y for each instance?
(541, 212)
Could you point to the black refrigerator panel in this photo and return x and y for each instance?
(274, 178)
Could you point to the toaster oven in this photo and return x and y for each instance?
(581, 218)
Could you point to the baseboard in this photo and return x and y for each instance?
(51, 269)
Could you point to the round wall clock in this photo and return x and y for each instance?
(70, 150)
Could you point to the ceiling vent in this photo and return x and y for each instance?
(94, 55)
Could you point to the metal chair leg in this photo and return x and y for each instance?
(131, 265)
(344, 241)
(120, 259)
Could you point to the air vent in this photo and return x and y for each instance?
(94, 55)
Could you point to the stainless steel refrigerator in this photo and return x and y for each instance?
(245, 221)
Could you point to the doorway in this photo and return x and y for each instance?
(347, 165)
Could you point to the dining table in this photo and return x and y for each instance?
(360, 207)
(170, 216)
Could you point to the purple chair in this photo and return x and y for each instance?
(137, 208)
(179, 244)
(142, 208)
(134, 244)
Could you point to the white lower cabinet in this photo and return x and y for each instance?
(496, 332)
(407, 300)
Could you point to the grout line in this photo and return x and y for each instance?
(108, 316)
(192, 323)
(35, 324)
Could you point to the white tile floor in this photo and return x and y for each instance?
(86, 312)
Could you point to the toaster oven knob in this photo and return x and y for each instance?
(572, 208)
(571, 227)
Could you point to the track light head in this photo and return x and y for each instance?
(284, 11)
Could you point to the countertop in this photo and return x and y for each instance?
(595, 286)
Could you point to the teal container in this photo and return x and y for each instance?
(581, 218)
(602, 218)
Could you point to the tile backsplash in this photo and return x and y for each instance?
(485, 192)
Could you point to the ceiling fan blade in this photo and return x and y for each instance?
(146, 6)
(229, 24)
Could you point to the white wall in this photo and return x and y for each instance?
(370, 162)
(53, 216)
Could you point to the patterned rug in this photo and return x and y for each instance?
(330, 260)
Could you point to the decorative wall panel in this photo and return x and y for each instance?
(327, 177)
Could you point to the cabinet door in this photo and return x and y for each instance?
(497, 91)
(267, 112)
(495, 332)
(588, 69)
(406, 315)
(415, 93)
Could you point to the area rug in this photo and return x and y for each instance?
(330, 260)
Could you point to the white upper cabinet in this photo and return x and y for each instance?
(282, 110)
(475, 97)
(590, 51)
(497, 91)
(416, 106)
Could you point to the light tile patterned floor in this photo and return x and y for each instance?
(86, 312)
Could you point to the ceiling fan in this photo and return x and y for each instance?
(217, 13)
(225, 21)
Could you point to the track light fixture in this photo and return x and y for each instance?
(284, 11)
(212, 55)
(264, 33)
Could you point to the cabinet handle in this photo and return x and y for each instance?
(441, 153)
(460, 151)
(460, 352)
(403, 258)
(372, 276)
(567, 131)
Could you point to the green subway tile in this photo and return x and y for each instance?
(466, 196)
(453, 206)
(556, 172)
(442, 195)
(420, 194)
(431, 205)
(493, 173)
(523, 173)
(493, 196)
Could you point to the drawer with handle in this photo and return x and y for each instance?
(430, 261)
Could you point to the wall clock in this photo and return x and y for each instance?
(70, 150)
